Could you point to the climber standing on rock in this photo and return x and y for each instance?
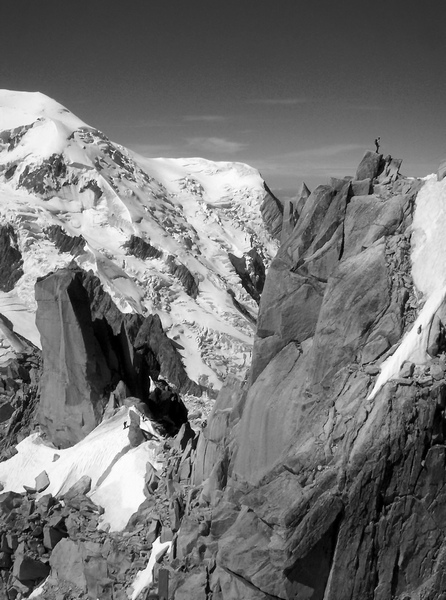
(377, 141)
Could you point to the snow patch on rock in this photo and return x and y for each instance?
(116, 469)
(428, 258)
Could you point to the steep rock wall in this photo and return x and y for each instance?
(332, 492)
(89, 346)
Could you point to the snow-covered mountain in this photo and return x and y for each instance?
(321, 476)
(180, 238)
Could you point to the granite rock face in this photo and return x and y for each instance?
(329, 491)
(304, 485)
(88, 347)
(272, 213)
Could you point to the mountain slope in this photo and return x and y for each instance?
(162, 235)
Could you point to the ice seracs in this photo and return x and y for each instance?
(55, 170)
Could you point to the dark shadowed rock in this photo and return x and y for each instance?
(251, 270)
(10, 259)
(182, 273)
(75, 370)
(44, 178)
(151, 336)
(28, 569)
(135, 246)
(75, 245)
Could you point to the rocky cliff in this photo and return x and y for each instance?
(89, 347)
(320, 476)
(322, 479)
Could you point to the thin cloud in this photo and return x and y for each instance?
(326, 151)
(153, 150)
(279, 101)
(205, 118)
(367, 107)
(216, 144)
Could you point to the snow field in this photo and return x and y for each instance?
(192, 209)
(116, 469)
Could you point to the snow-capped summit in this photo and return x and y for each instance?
(182, 238)
(23, 108)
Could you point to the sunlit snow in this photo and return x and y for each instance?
(144, 578)
(429, 274)
(194, 210)
(116, 469)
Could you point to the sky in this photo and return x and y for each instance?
(297, 89)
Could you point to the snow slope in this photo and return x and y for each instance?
(428, 258)
(57, 171)
(116, 469)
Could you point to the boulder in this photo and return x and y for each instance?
(52, 536)
(80, 488)
(42, 482)
(67, 564)
(28, 569)
(9, 501)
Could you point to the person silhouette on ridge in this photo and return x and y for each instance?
(377, 141)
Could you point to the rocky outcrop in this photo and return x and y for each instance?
(75, 245)
(45, 178)
(135, 246)
(294, 289)
(182, 273)
(46, 539)
(10, 259)
(20, 375)
(251, 270)
(370, 166)
(272, 213)
(88, 347)
(316, 487)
